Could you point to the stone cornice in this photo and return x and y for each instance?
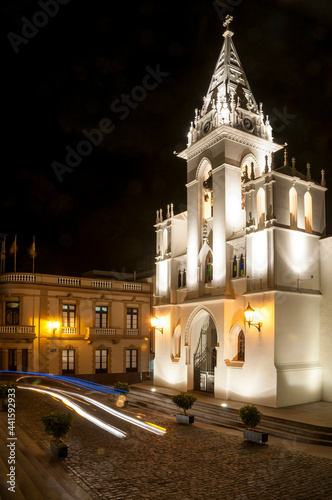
(231, 134)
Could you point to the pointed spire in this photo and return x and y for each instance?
(157, 217)
(323, 181)
(293, 167)
(172, 211)
(167, 213)
(229, 99)
(308, 172)
(161, 215)
(229, 76)
(273, 166)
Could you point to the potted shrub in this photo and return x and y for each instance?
(58, 425)
(184, 401)
(251, 417)
(121, 388)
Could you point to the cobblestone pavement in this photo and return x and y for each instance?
(188, 463)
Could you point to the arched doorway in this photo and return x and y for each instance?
(205, 355)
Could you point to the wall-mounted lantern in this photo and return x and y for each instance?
(157, 324)
(53, 325)
(249, 315)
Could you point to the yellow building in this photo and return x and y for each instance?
(76, 325)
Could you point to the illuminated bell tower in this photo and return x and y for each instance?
(229, 134)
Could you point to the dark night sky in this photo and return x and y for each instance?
(67, 76)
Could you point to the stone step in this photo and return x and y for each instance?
(229, 417)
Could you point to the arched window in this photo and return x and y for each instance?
(165, 241)
(184, 278)
(176, 347)
(293, 208)
(261, 208)
(235, 267)
(308, 212)
(240, 346)
(241, 265)
(207, 194)
(208, 268)
(179, 279)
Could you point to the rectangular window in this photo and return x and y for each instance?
(131, 360)
(132, 318)
(101, 316)
(68, 361)
(12, 313)
(12, 360)
(101, 360)
(68, 315)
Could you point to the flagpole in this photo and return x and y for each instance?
(15, 255)
(4, 258)
(33, 254)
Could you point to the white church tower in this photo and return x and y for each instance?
(249, 241)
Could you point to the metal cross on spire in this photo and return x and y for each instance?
(228, 20)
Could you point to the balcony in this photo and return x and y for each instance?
(17, 332)
(132, 331)
(94, 333)
(69, 330)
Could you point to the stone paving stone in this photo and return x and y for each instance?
(188, 463)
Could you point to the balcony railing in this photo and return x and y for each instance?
(102, 331)
(69, 330)
(132, 331)
(132, 286)
(25, 278)
(17, 329)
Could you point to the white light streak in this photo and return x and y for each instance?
(109, 428)
(111, 411)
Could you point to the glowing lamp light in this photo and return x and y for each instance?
(53, 325)
(156, 324)
(249, 315)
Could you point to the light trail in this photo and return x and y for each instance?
(109, 428)
(144, 425)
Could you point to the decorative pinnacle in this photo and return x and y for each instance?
(308, 172)
(228, 20)
(323, 181)
(285, 158)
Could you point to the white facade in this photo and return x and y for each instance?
(251, 234)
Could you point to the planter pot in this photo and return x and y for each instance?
(256, 436)
(185, 419)
(59, 451)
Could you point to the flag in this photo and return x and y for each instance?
(3, 249)
(3, 255)
(32, 249)
(13, 251)
(13, 248)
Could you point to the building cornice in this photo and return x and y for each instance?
(231, 134)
